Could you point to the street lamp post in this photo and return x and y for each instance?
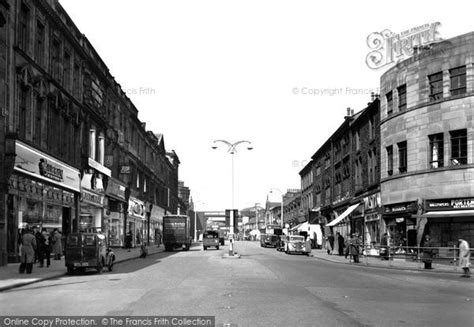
(232, 148)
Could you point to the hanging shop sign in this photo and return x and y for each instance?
(90, 197)
(449, 204)
(372, 202)
(115, 189)
(35, 163)
(136, 208)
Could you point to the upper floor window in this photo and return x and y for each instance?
(390, 160)
(459, 147)
(39, 45)
(23, 30)
(458, 80)
(402, 97)
(402, 157)
(357, 140)
(56, 59)
(436, 150)
(436, 86)
(389, 97)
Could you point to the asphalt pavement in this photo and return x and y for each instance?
(11, 278)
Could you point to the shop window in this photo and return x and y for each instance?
(436, 86)
(402, 157)
(436, 150)
(389, 150)
(402, 97)
(458, 147)
(389, 97)
(458, 80)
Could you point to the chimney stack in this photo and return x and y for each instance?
(372, 96)
(352, 112)
(349, 111)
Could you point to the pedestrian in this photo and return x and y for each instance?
(46, 250)
(328, 243)
(427, 252)
(464, 258)
(340, 241)
(56, 244)
(28, 242)
(143, 251)
(128, 241)
(354, 245)
(384, 247)
(39, 245)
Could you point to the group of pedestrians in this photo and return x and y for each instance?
(36, 245)
(352, 246)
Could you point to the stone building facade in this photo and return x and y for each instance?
(427, 143)
(74, 154)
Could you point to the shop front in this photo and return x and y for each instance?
(341, 223)
(357, 222)
(136, 221)
(400, 221)
(115, 218)
(372, 219)
(42, 193)
(156, 224)
(92, 211)
(449, 220)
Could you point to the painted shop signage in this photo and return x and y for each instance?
(37, 164)
(400, 208)
(372, 202)
(136, 208)
(115, 189)
(449, 204)
(92, 198)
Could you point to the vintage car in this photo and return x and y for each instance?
(267, 240)
(297, 244)
(210, 238)
(86, 251)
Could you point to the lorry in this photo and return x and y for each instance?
(176, 232)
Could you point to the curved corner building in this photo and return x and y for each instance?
(427, 144)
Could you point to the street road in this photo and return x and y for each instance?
(263, 288)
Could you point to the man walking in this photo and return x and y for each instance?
(340, 241)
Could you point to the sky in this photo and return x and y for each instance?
(279, 74)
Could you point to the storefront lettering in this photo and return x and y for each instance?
(48, 170)
(91, 197)
(461, 204)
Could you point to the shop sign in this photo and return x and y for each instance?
(157, 214)
(97, 166)
(136, 208)
(115, 189)
(372, 217)
(125, 170)
(35, 163)
(401, 208)
(92, 198)
(372, 201)
(449, 204)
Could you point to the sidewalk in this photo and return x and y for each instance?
(11, 278)
(399, 263)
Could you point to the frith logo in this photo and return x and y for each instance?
(389, 48)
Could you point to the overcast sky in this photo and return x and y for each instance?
(204, 70)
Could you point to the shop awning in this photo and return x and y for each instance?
(448, 214)
(343, 215)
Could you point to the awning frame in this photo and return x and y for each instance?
(343, 215)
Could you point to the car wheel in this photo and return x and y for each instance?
(217, 247)
(70, 270)
(205, 248)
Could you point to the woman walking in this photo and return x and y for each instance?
(28, 243)
(57, 245)
(464, 256)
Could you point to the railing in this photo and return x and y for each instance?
(439, 255)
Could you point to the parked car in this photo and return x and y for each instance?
(210, 238)
(267, 240)
(86, 251)
(297, 244)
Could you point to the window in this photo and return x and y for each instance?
(402, 98)
(371, 132)
(357, 140)
(390, 160)
(23, 30)
(23, 111)
(389, 97)
(76, 90)
(459, 147)
(38, 121)
(55, 59)
(436, 86)
(67, 71)
(458, 80)
(402, 157)
(436, 150)
(39, 46)
(92, 143)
